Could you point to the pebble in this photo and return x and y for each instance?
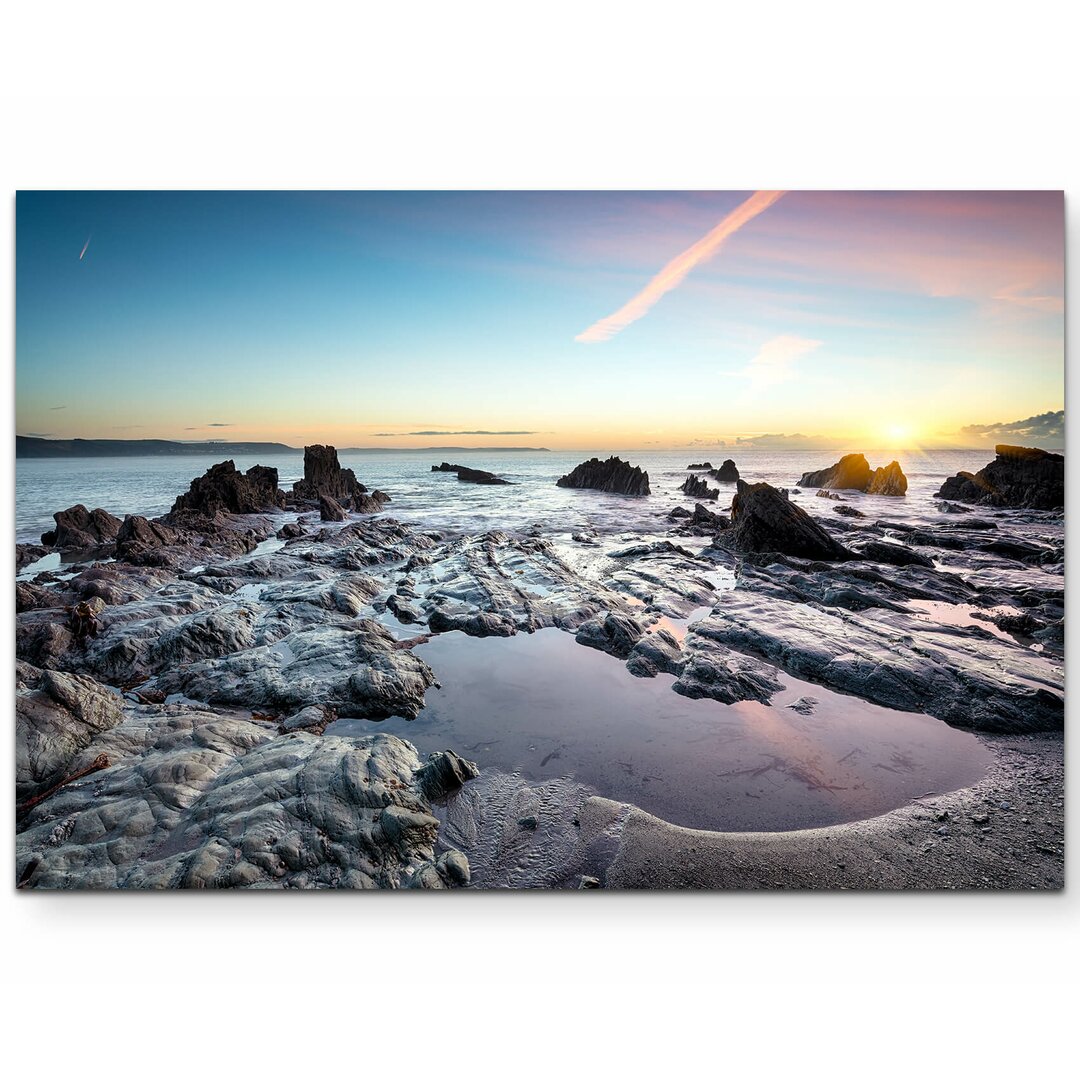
(529, 822)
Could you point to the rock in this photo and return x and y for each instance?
(201, 799)
(614, 475)
(444, 773)
(888, 480)
(449, 871)
(853, 472)
(846, 510)
(370, 502)
(56, 715)
(470, 476)
(224, 489)
(894, 554)
(324, 476)
(677, 512)
(655, 653)
(698, 488)
(331, 510)
(708, 519)
(79, 529)
(589, 882)
(138, 535)
(763, 520)
(530, 823)
(1021, 477)
(823, 494)
(726, 474)
(701, 465)
(290, 531)
(614, 633)
(25, 554)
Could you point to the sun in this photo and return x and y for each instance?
(898, 434)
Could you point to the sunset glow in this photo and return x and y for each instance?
(449, 318)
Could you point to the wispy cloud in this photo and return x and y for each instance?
(775, 361)
(57, 408)
(199, 427)
(399, 434)
(38, 434)
(677, 269)
(84, 247)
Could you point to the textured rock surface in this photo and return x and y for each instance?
(56, 716)
(469, 476)
(224, 489)
(1018, 477)
(199, 799)
(613, 475)
(764, 520)
(79, 529)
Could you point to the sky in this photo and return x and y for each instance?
(569, 320)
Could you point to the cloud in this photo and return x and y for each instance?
(57, 408)
(1047, 425)
(199, 427)
(775, 361)
(676, 270)
(401, 434)
(38, 434)
(128, 427)
(798, 441)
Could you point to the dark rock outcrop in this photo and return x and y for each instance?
(79, 529)
(331, 510)
(224, 489)
(853, 472)
(728, 473)
(614, 475)
(893, 554)
(138, 535)
(1019, 476)
(764, 520)
(700, 465)
(323, 475)
(469, 476)
(25, 554)
(697, 488)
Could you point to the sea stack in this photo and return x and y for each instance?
(614, 475)
(853, 473)
(1020, 476)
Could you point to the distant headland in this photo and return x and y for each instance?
(27, 446)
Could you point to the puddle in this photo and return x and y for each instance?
(940, 611)
(546, 706)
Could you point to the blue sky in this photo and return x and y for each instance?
(361, 318)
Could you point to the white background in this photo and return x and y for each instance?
(245, 95)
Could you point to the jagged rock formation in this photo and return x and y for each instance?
(324, 476)
(138, 537)
(888, 480)
(1019, 477)
(469, 476)
(614, 475)
(727, 473)
(223, 489)
(764, 520)
(697, 488)
(79, 529)
(853, 472)
(700, 465)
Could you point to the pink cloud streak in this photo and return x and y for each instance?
(676, 270)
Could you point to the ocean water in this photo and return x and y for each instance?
(148, 485)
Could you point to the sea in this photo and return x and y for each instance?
(149, 485)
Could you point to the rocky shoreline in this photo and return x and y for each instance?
(175, 683)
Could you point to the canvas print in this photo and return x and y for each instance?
(580, 540)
